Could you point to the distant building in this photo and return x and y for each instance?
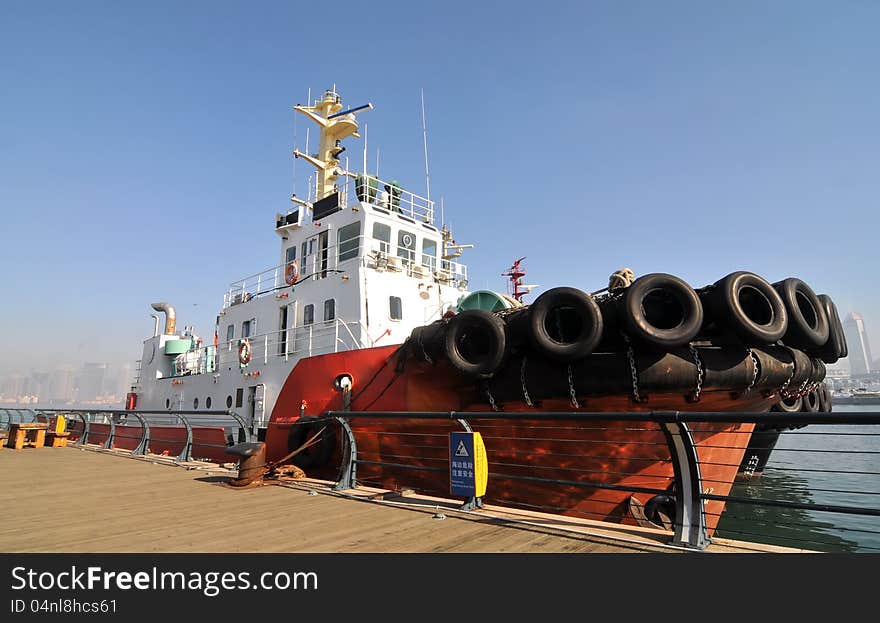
(61, 384)
(857, 344)
(90, 381)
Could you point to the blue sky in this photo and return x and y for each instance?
(145, 147)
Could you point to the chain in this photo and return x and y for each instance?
(632, 367)
(424, 352)
(491, 398)
(522, 379)
(783, 391)
(574, 400)
(801, 390)
(754, 370)
(698, 361)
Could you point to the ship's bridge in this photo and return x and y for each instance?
(393, 230)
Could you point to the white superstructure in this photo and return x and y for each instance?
(359, 266)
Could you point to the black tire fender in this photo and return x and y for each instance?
(835, 347)
(810, 402)
(748, 305)
(824, 398)
(565, 324)
(661, 310)
(788, 405)
(807, 321)
(314, 456)
(475, 343)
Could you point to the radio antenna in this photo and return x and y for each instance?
(309, 103)
(365, 150)
(425, 140)
(294, 152)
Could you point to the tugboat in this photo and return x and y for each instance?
(368, 293)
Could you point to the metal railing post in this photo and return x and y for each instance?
(83, 439)
(109, 443)
(248, 433)
(348, 470)
(144, 443)
(690, 522)
(186, 453)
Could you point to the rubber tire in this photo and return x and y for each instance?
(810, 403)
(637, 325)
(317, 455)
(835, 347)
(467, 323)
(724, 304)
(800, 333)
(824, 398)
(788, 405)
(591, 324)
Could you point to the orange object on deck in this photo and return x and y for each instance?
(23, 435)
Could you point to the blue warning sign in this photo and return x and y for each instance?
(468, 467)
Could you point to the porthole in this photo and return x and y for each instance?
(196, 402)
(208, 402)
(229, 402)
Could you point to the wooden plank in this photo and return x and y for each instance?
(77, 500)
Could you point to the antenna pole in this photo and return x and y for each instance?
(425, 140)
(365, 150)
(294, 151)
(377, 162)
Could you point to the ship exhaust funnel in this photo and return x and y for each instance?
(170, 316)
(155, 324)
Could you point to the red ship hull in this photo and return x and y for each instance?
(598, 454)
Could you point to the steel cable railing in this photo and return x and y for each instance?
(689, 441)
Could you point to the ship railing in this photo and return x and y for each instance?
(138, 369)
(16, 415)
(360, 250)
(676, 477)
(359, 188)
(317, 338)
(181, 435)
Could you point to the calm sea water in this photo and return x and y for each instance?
(801, 470)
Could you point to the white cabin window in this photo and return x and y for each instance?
(406, 246)
(291, 254)
(382, 235)
(329, 310)
(230, 333)
(309, 314)
(395, 307)
(348, 239)
(429, 253)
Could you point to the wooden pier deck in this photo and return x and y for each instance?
(76, 500)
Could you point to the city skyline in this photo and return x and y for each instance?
(90, 384)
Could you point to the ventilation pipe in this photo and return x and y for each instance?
(155, 325)
(170, 316)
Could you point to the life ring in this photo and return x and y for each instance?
(291, 273)
(244, 352)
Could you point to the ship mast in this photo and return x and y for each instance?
(335, 125)
(516, 273)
